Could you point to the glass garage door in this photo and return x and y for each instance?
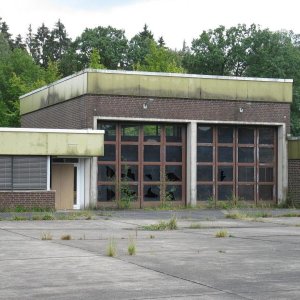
(143, 162)
(236, 163)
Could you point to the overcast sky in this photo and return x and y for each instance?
(175, 20)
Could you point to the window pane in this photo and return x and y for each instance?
(151, 133)
(225, 135)
(5, 172)
(204, 173)
(174, 173)
(110, 131)
(29, 172)
(204, 134)
(225, 173)
(224, 192)
(265, 174)
(129, 173)
(266, 155)
(173, 153)
(173, 193)
(245, 135)
(266, 192)
(106, 192)
(151, 173)
(129, 152)
(246, 155)
(225, 154)
(109, 153)
(151, 153)
(151, 193)
(130, 192)
(246, 192)
(204, 192)
(266, 136)
(246, 174)
(173, 133)
(129, 133)
(204, 154)
(106, 173)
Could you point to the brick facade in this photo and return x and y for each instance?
(294, 182)
(78, 113)
(27, 199)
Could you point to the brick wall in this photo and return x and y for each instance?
(79, 112)
(294, 180)
(66, 115)
(27, 199)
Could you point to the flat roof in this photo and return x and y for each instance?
(29, 141)
(154, 84)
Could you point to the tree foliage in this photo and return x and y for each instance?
(160, 59)
(110, 42)
(48, 54)
(139, 47)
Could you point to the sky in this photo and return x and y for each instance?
(175, 20)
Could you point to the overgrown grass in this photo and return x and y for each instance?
(162, 225)
(20, 209)
(290, 215)
(66, 237)
(248, 215)
(221, 233)
(19, 218)
(111, 249)
(46, 236)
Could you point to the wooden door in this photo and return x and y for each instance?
(63, 184)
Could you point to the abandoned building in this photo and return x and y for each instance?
(184, 138)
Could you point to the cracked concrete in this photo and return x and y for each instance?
(260, 260)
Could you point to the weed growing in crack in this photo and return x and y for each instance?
(111, 249)
(46, 236)
(221, 233)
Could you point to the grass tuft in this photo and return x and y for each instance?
(46, 236)
(195, 226)
(221, 233)
(111, 249)
(19, 218)
(48, 217)
(131, 246)
(66, 237)
(162, 225)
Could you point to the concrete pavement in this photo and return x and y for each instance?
(259, 260)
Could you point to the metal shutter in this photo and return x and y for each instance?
(5, 172)
(29, 172)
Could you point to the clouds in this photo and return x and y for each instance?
(175, 20)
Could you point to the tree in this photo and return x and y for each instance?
(59, 41)
(4, 30)
(110, 42)
(94, 60)
(71, 61)
(139, 47)
(161, 42)
(160, 60)
(40, 47)
(19, 74)
(18, 43)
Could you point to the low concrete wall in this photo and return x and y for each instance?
(27, 199)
